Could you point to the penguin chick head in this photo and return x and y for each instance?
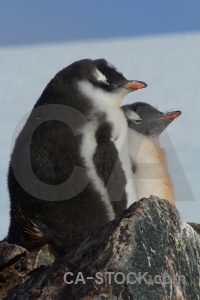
(100, 81)
(148, 120)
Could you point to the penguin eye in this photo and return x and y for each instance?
(132, 117)
(138, 121)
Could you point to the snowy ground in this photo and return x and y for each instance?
(169, 64)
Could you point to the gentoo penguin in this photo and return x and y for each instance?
(149, 163)
(70, 171)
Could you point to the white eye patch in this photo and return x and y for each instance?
(132, 116)
(100, 77)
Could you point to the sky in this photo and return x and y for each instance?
(28, 22)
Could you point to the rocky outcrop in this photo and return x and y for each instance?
(147, 253)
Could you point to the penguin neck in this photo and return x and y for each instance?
(101, 97)
(151, 175)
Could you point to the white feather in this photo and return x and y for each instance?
(100, 76)
(88, 148)
(132, 115)
(103, 103)
(100, 95)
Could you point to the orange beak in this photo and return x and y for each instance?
(172, 115)
(135, 85)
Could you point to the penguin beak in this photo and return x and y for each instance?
(172, 115)
(135, 85)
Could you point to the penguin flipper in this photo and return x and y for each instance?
(31, 236)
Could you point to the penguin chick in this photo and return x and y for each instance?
(67, 170)
(149, 163)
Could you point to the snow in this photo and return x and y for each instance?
(170, 65)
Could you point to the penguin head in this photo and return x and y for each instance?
(99, 80)
(148, 120)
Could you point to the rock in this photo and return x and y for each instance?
(16, 264)
(10, 253)
(196, 227)
(145, 249)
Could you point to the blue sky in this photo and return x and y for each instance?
(25, 22)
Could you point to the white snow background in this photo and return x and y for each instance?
(169, 64)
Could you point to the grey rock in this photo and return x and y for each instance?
(151, 253)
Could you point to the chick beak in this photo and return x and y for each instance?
(135, 85)
(172, 115)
